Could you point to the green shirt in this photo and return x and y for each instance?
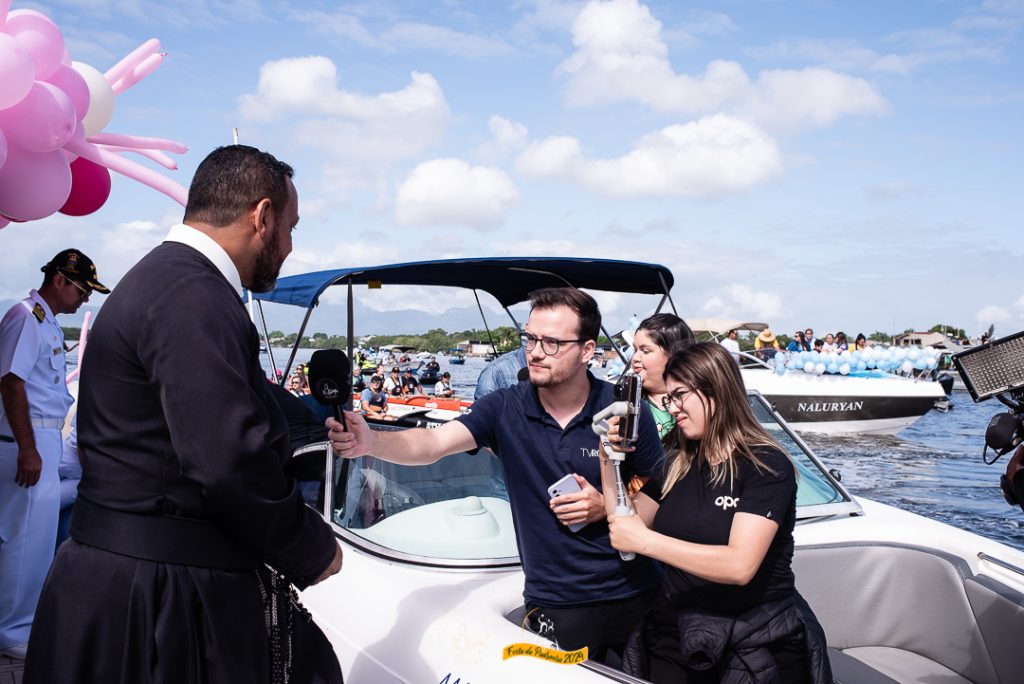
(663, 418)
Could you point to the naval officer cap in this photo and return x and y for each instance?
(76, 266)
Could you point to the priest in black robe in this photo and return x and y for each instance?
(183, 502)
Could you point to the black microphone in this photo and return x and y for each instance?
(330, 380)
(523, 374)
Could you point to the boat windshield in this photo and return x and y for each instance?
(815, 488)
(456, 512)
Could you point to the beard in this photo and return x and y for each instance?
(266, 268)
(555, 374)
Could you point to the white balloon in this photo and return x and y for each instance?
(101, 99)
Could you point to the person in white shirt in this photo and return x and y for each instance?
(443, 387)
(34, 401)
(393, 383)
(732, 344)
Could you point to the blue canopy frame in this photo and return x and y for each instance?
(510, 280)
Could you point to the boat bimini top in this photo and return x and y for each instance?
(720, 326)
(510, 280)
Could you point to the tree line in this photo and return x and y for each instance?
(506, 338)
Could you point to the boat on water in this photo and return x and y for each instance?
(433, 555)
(861, 401)
(456, 357)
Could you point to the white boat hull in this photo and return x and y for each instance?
(393, 622)
(838, 404)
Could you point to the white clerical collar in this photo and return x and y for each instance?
(208, 247)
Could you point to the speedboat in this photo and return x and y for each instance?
(868, 402)
(431, 589)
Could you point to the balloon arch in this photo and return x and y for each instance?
(54, 153)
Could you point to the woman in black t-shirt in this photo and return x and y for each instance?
(720, 518)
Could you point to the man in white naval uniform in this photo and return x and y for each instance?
(34, 400)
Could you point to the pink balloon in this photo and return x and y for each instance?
(33, 185)
(40, 36)
(16, 71)
(3, 148)
(74, 86)
(126, 167)
(90, 188)
(44, 120)
(78, 135)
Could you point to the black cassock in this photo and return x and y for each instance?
(183, 496)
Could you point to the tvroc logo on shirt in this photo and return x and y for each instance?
(727, 502)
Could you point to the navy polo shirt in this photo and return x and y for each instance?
(562, 567)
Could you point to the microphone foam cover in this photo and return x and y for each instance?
(330, 377)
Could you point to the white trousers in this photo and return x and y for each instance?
(28, 531)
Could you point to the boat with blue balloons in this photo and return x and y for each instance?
(876, 390)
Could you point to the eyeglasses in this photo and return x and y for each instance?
(677, 397)
(85, 292)
(549, 345)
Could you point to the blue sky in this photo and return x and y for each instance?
(841, 165)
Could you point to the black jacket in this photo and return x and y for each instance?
(736, 645)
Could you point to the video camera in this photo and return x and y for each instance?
(996, 369)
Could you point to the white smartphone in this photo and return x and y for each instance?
(567, 485)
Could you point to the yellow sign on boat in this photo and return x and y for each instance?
(552, 655)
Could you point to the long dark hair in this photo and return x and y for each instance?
(731, 430)
(667, 330)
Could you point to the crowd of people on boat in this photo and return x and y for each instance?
(767, 345)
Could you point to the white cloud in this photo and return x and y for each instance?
(742, 301)
(547, 246)
(621, 56)
(446, 40)
(194, 14)
(133, 239)
(706, 158)
(360, 135)
(507, 137)
(400, 35)
(451, 192)
(992, 314)
(309, 86)
(546, 15)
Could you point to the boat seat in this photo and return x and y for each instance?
(897, 665)
(912, 614)
(849, 670)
